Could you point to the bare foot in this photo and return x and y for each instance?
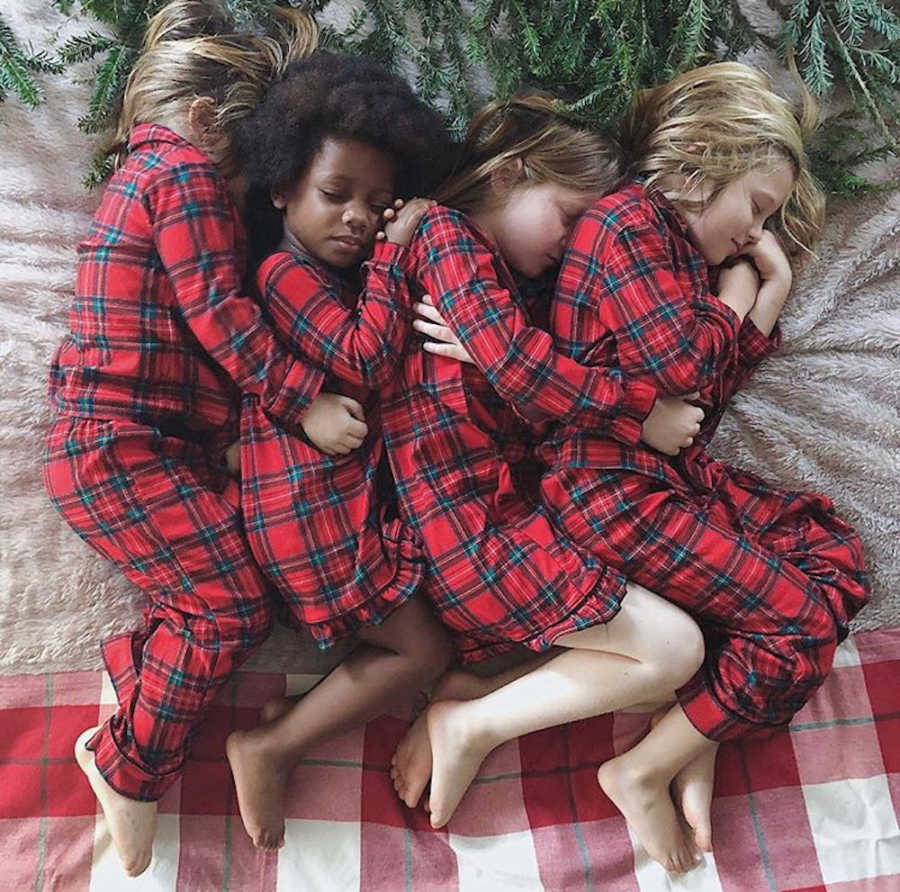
(692, 789)
(411, 762)
(132, 824)
(275, 708)
(457, 751)
(260, 781)
(647, 806)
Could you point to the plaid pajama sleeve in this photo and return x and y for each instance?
(359, 345)
(753, 348)
(458, 269)
(618, 280)
(194, 234)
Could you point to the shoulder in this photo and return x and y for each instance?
(166, 168)
(443, 230)
(622, 220)
(285, 269)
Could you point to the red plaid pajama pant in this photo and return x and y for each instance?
(155, 507)
(773, 578)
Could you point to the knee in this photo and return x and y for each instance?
(687, 648)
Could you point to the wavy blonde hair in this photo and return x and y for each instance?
(192, 49)
(531, 128)
(710, 126)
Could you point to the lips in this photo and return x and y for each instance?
(349, 241)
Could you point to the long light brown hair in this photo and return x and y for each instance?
(710, 126)
(193, 49)
(533, 129)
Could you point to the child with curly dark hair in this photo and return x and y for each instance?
(325, 154)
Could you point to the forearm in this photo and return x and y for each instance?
(769, 304)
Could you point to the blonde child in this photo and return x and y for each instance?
(146, 388)
(325, 153)
(772, 576)
(458, 436)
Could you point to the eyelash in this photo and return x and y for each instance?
(337, 198)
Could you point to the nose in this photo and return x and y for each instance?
(755, 232)
(354, 217)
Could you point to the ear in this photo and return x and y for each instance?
(202, 117)
(506, 176)
(279, 198)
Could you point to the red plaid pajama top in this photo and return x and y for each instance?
(772, 576)
(316, 523)
(146, 387)
(498, 573)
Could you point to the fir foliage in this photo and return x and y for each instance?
(596, 53)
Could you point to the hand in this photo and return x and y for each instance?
(738, 286)
(775, 271)
(402, 219)
(672, 424)
(335, 424)
(437, 330)
(233, 459)
(771, 261)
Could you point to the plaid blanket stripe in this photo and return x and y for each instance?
(814, 808)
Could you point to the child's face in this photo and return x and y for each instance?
(534, 222)
(734, 219)
(335, 207)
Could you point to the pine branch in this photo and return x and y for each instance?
(16, 67)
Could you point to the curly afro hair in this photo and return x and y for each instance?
(330, 95)
(350, 97)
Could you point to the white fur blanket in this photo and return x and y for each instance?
(822, 414)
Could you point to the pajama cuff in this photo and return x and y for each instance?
(123, 775)
(711, 719)
(754, 346)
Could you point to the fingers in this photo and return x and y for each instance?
(353, 407)
(429, 311)
(451, 351)
(435, 332)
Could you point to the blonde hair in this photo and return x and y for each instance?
(710, 126)
(533, 129)
(192, 49)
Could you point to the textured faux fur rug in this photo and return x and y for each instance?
(822, 414)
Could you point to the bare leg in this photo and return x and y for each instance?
(646, 651)
(132, 823)
(692, 790)
(403, 654)
(411, 763)
(638, 783)
(276, 707)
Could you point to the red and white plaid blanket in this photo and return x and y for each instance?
(812, 809)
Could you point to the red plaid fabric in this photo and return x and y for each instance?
(498, 572)
(146, 386)
(773, 576)
(315, 523)
(170, 520)
(811, 808)
(159, 274)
